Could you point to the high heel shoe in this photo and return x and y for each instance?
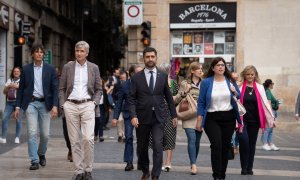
(193, 169)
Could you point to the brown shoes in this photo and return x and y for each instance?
(193, 169)
(145, 176)
(70, 158)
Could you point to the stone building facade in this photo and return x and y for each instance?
(264, 33)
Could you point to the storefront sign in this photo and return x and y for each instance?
(18, 19)
(4, 16)
(203, 15)
(133, 12)
(48, 56)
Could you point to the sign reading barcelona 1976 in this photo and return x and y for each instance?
(203, 15)
(133, 12)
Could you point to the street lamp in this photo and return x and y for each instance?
(85, 12)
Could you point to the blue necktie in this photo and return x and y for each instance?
(151, 83)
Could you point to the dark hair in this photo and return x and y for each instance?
(149, 49)
(215, 61)
(12, 72)
(36, 47)
(124, 72)
(268, 83)
(131, 70)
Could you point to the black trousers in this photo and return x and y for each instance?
(219, 127)
(99, 122)
(247, 140)
(143, 134)
(66, 136)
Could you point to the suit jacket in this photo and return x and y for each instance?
(142, 101)
(205, 99)
(26, 86)
(94, 85)
(122, 101)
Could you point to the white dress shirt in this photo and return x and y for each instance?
(148, 75)
(80, 90)
(38, 81)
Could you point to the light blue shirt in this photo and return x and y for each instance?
(38, 81)
(148, 75)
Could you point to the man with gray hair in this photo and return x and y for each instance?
(80, 91)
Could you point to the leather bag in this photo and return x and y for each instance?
(187, 108)
(241, 108)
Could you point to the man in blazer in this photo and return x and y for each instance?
(80, 91)
(38, 97)
(148, 91)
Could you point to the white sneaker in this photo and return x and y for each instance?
(3, 140)
(17, 140)
(266, 147)
(274, 148)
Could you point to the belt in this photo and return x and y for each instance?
(37, 99)
(79, 101)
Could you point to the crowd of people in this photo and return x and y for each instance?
(146, 100)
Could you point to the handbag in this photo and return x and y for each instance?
(241, 108)
(187, 108)
(230, 155)
(11, 94)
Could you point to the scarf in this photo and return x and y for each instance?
(262, 116)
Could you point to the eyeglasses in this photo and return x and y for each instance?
(220, 65)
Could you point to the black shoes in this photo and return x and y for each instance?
(120, 139)
(246, 172)
(70, 157)
(129, 167)
(88, 176)
(34, 166)
(42, 160)
(79, 176)
(101, 139)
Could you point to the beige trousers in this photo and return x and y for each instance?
(81, 122)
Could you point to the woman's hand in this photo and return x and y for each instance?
(198, 124)
(232, 88)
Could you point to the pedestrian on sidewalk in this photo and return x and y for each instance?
(38, 97)
(10, 90)
(80, 91)
(259, 115)
(297, 107)
(267, 135)
(191, 85)
(170, 131)
(122, 107)
(148, 91)
(218, 113)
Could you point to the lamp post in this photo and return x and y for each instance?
(85, 12)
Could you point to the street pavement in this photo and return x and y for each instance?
(109, 165)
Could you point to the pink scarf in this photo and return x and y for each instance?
(261, 112)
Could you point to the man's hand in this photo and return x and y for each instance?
(175, 122)
(53, 112)
(114, 122)
(135, 122)
(16, 113)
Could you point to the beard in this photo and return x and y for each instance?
(150, 64)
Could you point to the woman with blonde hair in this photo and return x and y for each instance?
(191, 85)
(259, 115)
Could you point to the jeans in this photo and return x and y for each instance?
(193, 137)
(234, 140)
(128, 151)
(267, 136)
(9, 109)
(38, 119)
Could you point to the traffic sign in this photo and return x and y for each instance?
(133, 12)
(48, 56)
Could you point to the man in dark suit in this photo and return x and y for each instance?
(80, 90)
(148, 92)
(38, 97)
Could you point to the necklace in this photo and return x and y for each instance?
(250, 92)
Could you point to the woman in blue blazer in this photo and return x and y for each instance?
(217, 113)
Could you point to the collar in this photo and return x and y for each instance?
(38, 66)
(79, 65)
(148, 70)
